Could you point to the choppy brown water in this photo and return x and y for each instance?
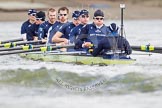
(24, 83)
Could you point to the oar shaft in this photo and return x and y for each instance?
(28, 42)
(13, 40)
(10, 49)
(21, 47)
(43, 49)
(13, 44)
(19, 51)
(147, 48)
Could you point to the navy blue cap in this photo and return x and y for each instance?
(98, 13)
(76, 14)
(41, 15)
(113, 27)
(84, 12)
(32, 11)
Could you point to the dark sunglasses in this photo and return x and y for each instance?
(85, 16)
(32, 14)
(38, 19)
(62, 14)
(99, 18)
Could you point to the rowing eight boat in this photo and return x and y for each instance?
(73, 58)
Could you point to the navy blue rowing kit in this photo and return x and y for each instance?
(43, 30)
(75, 32)
(90, 33)
(32, 31)
(26, 25)
(52, 30)
(66, 29)
(115, 43)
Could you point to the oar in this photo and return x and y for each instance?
(30, 46)
(122, 6)
(13, 44)
(43, 49)
(147, 48)
(12, 40)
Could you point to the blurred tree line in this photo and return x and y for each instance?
(147, 2)
(152, 2)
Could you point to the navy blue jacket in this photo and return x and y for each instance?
(25, 26)
(90, 33)
(43, 29)
(54, 29)
(112, 43)
(66, 29)
(75, 32)
(32, 31)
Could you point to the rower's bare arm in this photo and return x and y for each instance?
(57, 38)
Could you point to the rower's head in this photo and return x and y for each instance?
(84, 16)
(113, 29)
(40, 17)
(75, 16)
(63, 13)
(98, 17)
(32, 14)
(51, 13)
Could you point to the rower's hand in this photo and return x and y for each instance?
(44, 40)
(24, 37)
(35, 38)
(66, 41)
(86, 44)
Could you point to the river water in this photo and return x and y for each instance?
(36, 84)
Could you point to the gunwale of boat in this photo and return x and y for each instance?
(77, 59)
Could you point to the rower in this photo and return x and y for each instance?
(113, 44)
(92, 33)
(27, 24)
(62, 35)
(32, 32)
(43, 28)
(63, 13)
(113, 29)
(84, 19)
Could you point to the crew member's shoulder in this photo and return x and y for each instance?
(45, 23)
(68, 24)
(87, 26)
(57, 22)
(91, 24)
(26, 23)
(34, 25)
(65, 25)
